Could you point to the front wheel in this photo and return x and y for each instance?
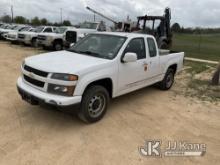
(58, 46)
(168, 80)
(94, 104)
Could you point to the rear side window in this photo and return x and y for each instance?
(152, 47)
(137, 46)
(49, 30)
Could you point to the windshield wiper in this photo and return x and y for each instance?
(90, 53)
(85, 52)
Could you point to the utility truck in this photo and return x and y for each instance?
(99, 67)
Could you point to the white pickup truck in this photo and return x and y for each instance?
(30, 37)
(55, 40)
(99, 67)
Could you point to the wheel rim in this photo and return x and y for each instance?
(96, 105)
(58, 47)
(169, 81)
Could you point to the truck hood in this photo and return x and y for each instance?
(64, 62)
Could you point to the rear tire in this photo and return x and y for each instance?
(163, 45)
(94, 104)
(168, 80)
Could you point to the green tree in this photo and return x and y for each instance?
(6, 19)
(176, 27)
(67, 23)
(43, 21)
(20, 20)
(35, 21)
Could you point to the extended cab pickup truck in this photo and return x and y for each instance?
(98, 67)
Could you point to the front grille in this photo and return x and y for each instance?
(21, 36)
(34, 82)
(71, 36)
(35, 71)
(42, 38)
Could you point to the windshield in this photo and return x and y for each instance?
(39, 29)
(99, 45)
(89, 25)
(25, 29)
(60, 30)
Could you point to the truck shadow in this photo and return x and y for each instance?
(67, 118)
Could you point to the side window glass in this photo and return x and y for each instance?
(137, 46)
(48, 30)
(152, 47)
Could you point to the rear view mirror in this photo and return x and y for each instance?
(130, 57)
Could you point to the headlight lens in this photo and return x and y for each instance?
(61, 90)
(65, 77)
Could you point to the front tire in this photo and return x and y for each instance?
(94, 104)
(58, 46)
(168, 80)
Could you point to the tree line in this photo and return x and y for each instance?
(36, 21)
(198, 30)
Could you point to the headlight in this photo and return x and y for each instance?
(65, 77)
(61, 90)
(27, 36)
(50, 38)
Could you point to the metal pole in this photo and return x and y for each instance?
(61, 16)
(12, 14)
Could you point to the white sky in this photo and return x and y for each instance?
(189, 13)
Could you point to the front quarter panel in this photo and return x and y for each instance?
(95, 74)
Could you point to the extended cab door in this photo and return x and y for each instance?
(132, 75)
(153, 60)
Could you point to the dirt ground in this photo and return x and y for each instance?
(36, 135)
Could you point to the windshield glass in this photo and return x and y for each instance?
(39, 29)
(60, 30)
(89, 25)
(25, 29)
(99, 45)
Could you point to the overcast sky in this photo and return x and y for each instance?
(189, 13)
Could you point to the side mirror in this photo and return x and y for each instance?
(130, 57)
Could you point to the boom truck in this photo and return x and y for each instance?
(126, 26)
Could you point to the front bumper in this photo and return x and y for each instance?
(25, 41)
(35, 96)
(44, 43)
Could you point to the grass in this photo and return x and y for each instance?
(201, 88)
(205, 46)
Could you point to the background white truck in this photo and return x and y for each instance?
(98, 67)
(13, 35)
(30, 38)
(55, 40)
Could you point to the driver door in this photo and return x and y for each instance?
(132, 75)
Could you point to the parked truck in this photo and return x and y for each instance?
(55, 40)
(30, 37)
(74, 35)
(99, 67)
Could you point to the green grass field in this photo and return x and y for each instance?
(205, 46)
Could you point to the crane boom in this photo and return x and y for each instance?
(92, 10)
